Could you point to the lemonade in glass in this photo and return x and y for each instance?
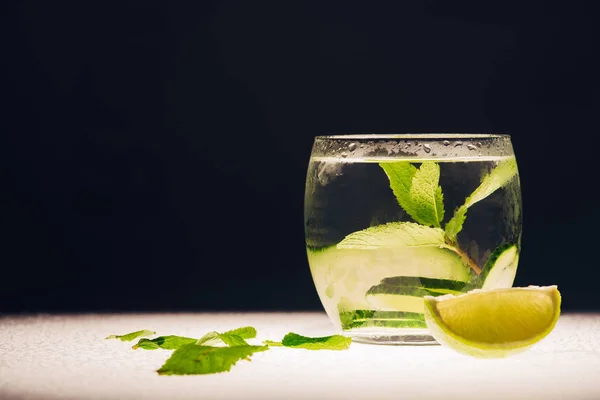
(391, 218)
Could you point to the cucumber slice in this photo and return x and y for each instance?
(500, 269)
(396, 302)
(407, 285)
(387, 319)
(405, 293)
(343, 276)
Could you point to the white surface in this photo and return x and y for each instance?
(66, 357)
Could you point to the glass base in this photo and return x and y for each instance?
(397, 337)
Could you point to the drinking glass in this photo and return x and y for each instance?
(391, 218)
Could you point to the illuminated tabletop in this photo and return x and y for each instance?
(67, 357)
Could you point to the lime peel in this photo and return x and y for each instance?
(493, 323)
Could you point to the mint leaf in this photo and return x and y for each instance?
(233, 340)
(215, 338)
(192, 359)
(233, 337)
(163, 342)
(393, 234)
(498, 177)
(272, 343)
(401, 176)
(426, 195)
(211, 338)
(245, 332)
(456, 222)
(417, 190)
(334, 342)
(133, 335)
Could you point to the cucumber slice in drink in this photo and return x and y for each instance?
(410, 284)
(342, 277)
(395, 302)
(386, 319)
(500, 269)
(405, 293)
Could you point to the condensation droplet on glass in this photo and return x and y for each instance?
(471, 147)
(427, 148)
(459, 143)
(352, 146)
(446, 143)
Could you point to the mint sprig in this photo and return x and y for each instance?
(418, 192)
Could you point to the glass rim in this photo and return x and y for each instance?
(396, 136)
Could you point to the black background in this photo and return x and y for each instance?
(154, 153)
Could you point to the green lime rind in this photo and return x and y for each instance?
(385, 319)
(501, 268)
(516, 314)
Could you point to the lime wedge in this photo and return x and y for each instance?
(493, 323)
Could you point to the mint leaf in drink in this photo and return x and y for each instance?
(334, 342)
(401, 176)
(404, 234)
(128, 337)
(163, 342)
(455, 225)
(393, 234)
(233, 337)
(426, 195)
(417, 190)
(192, 359)
(498, 177)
